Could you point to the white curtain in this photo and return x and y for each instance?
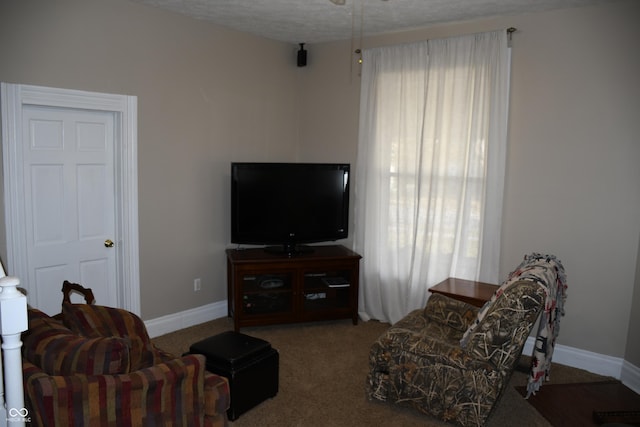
(430, 170)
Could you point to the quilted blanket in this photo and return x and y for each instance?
(549, 272)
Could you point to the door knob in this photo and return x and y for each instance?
(108, 243)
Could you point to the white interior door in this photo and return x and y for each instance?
(70, 188)
(69, 202)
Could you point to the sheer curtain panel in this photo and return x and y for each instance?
(430, 170)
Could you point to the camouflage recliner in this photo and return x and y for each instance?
(452, 360)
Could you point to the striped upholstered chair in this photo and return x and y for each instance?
(98, 367)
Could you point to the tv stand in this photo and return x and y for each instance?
(266, 288)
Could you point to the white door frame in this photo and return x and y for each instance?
(124, 107)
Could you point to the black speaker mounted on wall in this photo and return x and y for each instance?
(302, 56)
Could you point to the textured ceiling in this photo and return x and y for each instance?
(316, 21)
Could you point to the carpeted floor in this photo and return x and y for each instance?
(323, 368)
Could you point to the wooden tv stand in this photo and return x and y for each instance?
(266, 288)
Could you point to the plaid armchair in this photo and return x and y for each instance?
(99, 368)
(452, 360)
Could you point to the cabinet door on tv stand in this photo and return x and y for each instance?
(329, 291)
(264, 296)
(326, 290)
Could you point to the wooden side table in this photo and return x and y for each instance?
(469, 291)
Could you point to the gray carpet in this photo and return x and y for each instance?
(323, 368)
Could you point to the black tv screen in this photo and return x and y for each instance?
(286, 204)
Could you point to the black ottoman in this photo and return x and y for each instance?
(250, 364)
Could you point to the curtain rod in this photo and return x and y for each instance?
(509, 31)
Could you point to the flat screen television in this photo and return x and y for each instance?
(284, 205)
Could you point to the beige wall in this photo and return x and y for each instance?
(572, 178)
(209, 95)
(206, 96)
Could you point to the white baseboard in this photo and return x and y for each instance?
(600, 364)
(630, 376)
(195, 316)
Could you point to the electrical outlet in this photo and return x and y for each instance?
(197, 285)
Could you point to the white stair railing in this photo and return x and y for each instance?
(13, 321)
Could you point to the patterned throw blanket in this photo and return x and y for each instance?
(547, 271)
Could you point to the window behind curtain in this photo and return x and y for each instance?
(430, 168)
